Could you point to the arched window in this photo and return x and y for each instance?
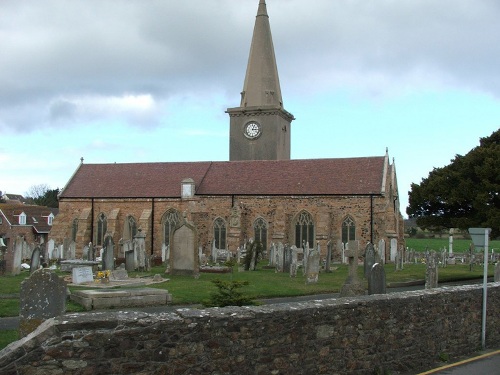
(260, 232)
(348, 230)
(102, 228)
(74, 229)
(220, 233)
(170, 220)
(304, 229)
(129, 228)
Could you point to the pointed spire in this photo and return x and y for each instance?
(262, 86)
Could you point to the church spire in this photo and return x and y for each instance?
(262, 86)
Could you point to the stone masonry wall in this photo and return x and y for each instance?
(397, 333)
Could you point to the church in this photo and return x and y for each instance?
(260, 193)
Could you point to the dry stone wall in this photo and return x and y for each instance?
(401, 332)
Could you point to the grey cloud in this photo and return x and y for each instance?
(55, 48)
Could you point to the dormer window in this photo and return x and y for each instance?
(50, 218)
(187, 188)
(22, 219)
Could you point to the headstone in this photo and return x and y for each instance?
(431, 271)
(165, 253)
(17, 256)
(394, 249)
(214, 252)
(305, 249)
(118, 275)
(108, 256)
(85, 253)
(329, 251)
(287, 259)
(50, 249)
(497, 272)
(294, 265)
(376, 279)
(280, 257)
(312, 272)
(130, 260)
(369, 259)
(82, 275)
(184, 252)
(140, 250)
(352, 286)
(42, 296)
(35, 260)
(272, 255)
(341, 249)
(71, 250)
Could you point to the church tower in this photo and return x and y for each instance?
(260, 126)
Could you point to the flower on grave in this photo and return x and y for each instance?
(103, 274)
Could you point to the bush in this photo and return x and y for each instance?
(228, 294)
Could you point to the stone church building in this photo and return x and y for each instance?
(260, 193)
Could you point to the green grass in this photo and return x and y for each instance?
(8, 336)
(459, 245)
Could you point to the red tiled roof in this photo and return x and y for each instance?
(36, 216)
(346, 176)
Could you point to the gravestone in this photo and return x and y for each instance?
(312, 272)
(394, 249)
(287, 259)
(119, 274)
(214, 252)
(165, 253)
(50, 249)
(82, 275)
(280, 253)
(272, 255)
(431, 271)
(130, 260)
(108, 256)
(85, 253)
(184, 252)
(352, 286)
(497, 272)
(376, 279)
(369, 259)
(140, 250)
(35, 260)
(71, 250)
(329, 251)
(305, 258)
(294, 265)
(17, 256)
(42, 296)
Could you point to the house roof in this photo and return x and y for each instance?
(36, 216)
(345, 176)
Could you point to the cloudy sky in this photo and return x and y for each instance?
(149, 81)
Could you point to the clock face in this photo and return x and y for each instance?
(252, 130)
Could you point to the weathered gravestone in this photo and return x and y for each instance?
(140, 251)
(431, 271)
(35, 260)
(369, 259)
(108, 255)
(119, 274)
(287, 259)
(294, 265)
(352, 286)
(497, 272)
(272, 255)
(43, 296)
(50, 249)
(394, 249)
(312, 271)
(376, 279)
(184, 252)
(329, 247)
(280, 253)
(130, 260)
(82, 275)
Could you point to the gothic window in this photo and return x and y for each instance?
(348, 230)
(74, 229)
(220, 233)
(130, 229)
(260, 232)
(102, 228)
(304, 229)
(170, 220)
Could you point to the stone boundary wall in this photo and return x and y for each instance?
(394, 333)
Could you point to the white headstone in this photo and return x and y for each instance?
(394, 249)
(82, 275)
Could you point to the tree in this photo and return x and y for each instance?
(43, 195)
(462, 194)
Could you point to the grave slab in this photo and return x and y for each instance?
(103, 299)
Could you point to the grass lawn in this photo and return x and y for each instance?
(459, 245)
